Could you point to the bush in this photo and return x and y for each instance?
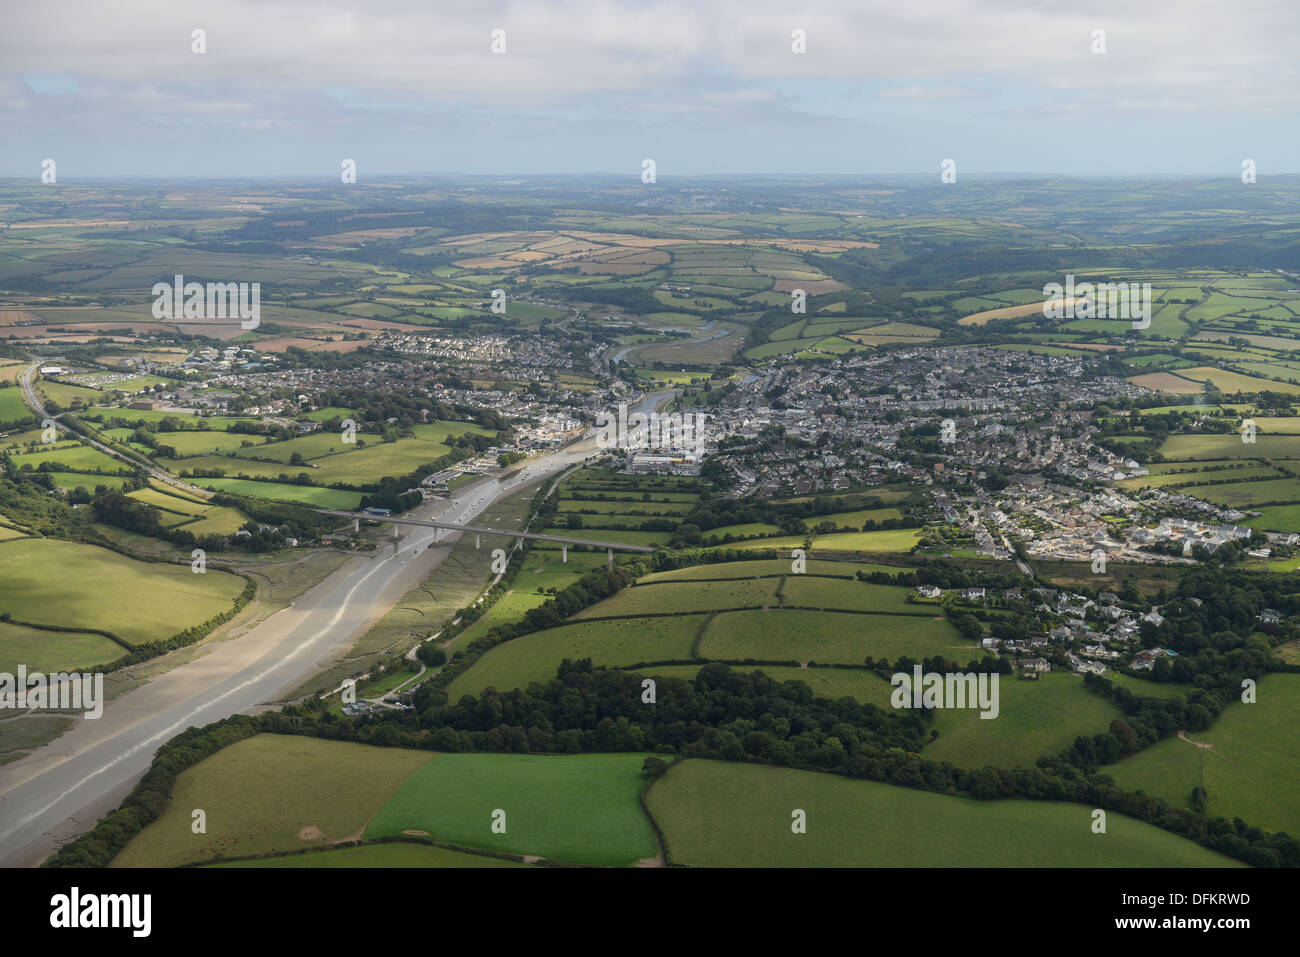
(431, 655)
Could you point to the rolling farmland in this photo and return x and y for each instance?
(717, 814)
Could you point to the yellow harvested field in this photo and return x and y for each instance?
(892, 332)
(1236, 382)
(485, 262)
(1167, 382)
(1009, 312)
(369, 235)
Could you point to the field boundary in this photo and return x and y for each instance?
(699, 633)
(73, 630)
(719, 611)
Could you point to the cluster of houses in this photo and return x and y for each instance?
(1094, 634)
(988, 393)
(1192, 533)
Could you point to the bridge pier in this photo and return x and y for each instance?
(564, 551)
(611, 558)
(478, 540)
(356, 525)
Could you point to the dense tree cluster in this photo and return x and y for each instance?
(1213, 622)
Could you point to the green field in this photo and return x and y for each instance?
(855, 519)
(892, 540)
(625, 505)
(615, 536)
(580, 809)
(1251, 770)
(771, 566)
(827, 637)
(684, 598)
(1230, 446)
(171, 503)
(1236, 382)
(1277, 518)
(306, 494)
(43, 650)
(12, 408)
(541, 570)
(863, 686)
(745, 530)
(1244, 494)
(1035, 718)
(199, 442)
(78, 458)
(632, 626)
(218, 520)
(71, 480)
(535, 657)
(329, 459)
(260, 794)
(67, 395)
(1147, 688)
(803, 591)
(718, 814)
(215, 423)
(53, 582)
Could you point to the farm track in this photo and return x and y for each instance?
(1205, 746)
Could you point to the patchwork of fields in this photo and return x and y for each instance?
(716, 814)
(1248, 761)
(1262, 475)
(179, 511)
(68, 585)
(609, 506)
(274, 795)
(730, 616)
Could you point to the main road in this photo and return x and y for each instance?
(34, 403)
(63, 788)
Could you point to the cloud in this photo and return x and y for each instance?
(340, 67)
(927, 93)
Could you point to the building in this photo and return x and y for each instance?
(1146, 660)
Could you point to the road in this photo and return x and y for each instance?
(63, 788)
(38, 408)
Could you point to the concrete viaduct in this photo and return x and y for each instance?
(479, 531)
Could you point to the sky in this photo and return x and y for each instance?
(291, 88)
